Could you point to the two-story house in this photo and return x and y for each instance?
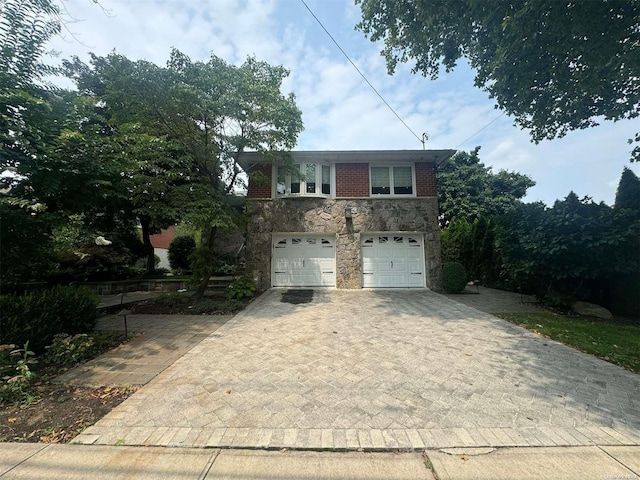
(352, 219)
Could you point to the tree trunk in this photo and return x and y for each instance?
(145, 222)
(208, 270)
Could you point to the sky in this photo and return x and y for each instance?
(339, 110)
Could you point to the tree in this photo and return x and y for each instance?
(28, 122)
(568, 251)
(209, 112)
(625, 288)
(554, 65)
(468, 189)
(25, 111)
(628, 192)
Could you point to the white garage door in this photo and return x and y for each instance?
(303, 261)
(392, 260)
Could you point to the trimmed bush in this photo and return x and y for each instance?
(454, 277)
(37, 317)
(179, 252)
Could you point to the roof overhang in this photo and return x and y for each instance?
(438, 157)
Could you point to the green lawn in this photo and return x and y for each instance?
(616, 343)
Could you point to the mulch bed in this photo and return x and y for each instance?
(60, 413)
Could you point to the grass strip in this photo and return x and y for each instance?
(613, 342)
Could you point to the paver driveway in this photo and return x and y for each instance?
(376, 370)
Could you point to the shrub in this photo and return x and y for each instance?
(454, 277)
(170, 299)
(242, 287)
(66, 349)
(179, 252)
(38, 316)
(213, 307)
(221, 267)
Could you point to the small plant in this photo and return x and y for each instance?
(170, 299)
(454, 277)
(206, 306)
(220, 267)
(66, 349)
(212, 307)
(230, 306)
(15, 385)
(242, 287)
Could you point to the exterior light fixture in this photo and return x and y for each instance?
(347, 213)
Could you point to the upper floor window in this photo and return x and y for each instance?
(311, 179)
(398, 180)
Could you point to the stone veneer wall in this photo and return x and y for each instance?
(321, 216)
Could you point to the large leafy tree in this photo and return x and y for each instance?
(30, 118)
(209, 112)
(570, 250)
(26, 121)
(467, 189)
(554, 65)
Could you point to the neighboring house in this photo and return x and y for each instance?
(161, 242)
(353, 219)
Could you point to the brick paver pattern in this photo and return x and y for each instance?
(377, 369)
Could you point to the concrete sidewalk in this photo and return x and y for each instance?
(78, 462)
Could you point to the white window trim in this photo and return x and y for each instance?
(303, 183)
(391, 194)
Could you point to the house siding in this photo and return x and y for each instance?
(352, 180)
(425, 179)
(321, 216)
(260, 189)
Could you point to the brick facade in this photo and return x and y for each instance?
(352, 180)
(260, 189)
(426, 180)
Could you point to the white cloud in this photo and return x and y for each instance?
(339, 109)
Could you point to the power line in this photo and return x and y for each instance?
(462, 143)
(421, 140)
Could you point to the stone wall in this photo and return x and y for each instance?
(321, 216)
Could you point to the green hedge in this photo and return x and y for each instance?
(36, 317)
(454, 277)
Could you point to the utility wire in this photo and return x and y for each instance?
(421, 140)
(462, 143)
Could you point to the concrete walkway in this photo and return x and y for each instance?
(490, 300)
(160, 341)
(377, 370)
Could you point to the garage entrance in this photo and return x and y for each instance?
(303, 261)
(392, 260)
